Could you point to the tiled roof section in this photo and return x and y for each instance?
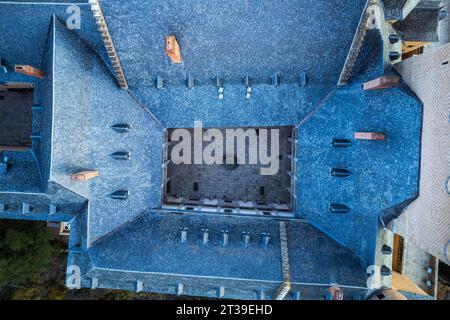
(310, 250)
(25, 45)
(390, 165)
(421, 24)
(120, 244)
(183, 285)
(15, 120)
(58, 204)
(87, 103)
(233, 38)
(154, 242)
(198, 286)
(23, 174)
(43, 116)
(178, 107)
(238, 40)
(105, 217)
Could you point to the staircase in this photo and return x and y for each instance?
(357, 44)
(107, 41)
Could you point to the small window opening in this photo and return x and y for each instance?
(261, 191)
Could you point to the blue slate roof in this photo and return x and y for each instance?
(66, 204)
(120, 242)
(99, 105)
(161, 261)
(157, 239)
(25, 43)
(233, 38)
(379, 178)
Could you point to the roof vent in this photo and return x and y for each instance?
(386, 249)
(247, 81)
(303, 79)
(139, 286)
(219, 85)
(180, 289)
(385, 271)
(265, 239)
(76, 249)
(4, 166)
(276, 80)
(339, 208)
(394, 38)
(190, 82)
(221, 292)
(121, 128)
(245, 236)
(296, 295)
(3, 66)
(159, 82)
(121, 155)
(340, 173)
(25, 208)
(94, 283)
(120, 195)
(261, 294)
(341, 143)
(219, 81)
(52, 209)
(184, 232)
(225, 237)
(394, 55)
(205, 236)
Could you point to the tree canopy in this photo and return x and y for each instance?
(25, 250)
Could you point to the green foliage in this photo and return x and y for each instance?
(33, 267)
(25, 250)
